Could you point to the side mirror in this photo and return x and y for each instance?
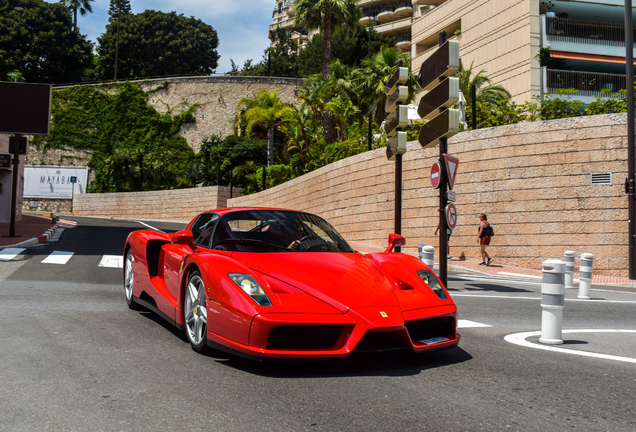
(182, 237)
(395, 240)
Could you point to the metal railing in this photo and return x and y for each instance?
(585, 31)
(587, 83)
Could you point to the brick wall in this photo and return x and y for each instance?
(531, 179)
(177, 204)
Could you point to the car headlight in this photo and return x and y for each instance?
(248, 284)
(431, 280)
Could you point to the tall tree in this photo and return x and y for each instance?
(156, 43)
(83, 6)
(487, 93)
(119, 7)
(267, 109)
(327, 15)
(374, 75)
(40, 43)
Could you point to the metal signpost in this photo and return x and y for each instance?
(436, 76)
(396, 119)
(630, 183)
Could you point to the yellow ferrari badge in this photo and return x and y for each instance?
(384, 314)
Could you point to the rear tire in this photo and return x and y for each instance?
(129, 281)
(195, 313)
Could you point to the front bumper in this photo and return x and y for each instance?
(322, 336)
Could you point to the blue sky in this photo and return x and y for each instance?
(242, 25)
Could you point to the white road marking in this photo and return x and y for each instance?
(511, 297)
(470, 324)
(112, 261)
(520, 275)
(9, 253)
(520, 339)
(58, 257)
(149, 226)
(56, 236)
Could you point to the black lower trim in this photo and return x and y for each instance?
(150, 306)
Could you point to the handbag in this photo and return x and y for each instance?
(488, 231)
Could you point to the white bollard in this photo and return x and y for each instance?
(552, 302)
(585, 275)
(429, 256)
(420, 250)
(569, 269)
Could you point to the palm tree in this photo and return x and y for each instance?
(83, 6)
(264, 109)
(487, 93)
(301, 133)
(374, 75)
(315, 94)
(326, 15)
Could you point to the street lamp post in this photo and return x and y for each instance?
(629, 69)
(117, 42)
(370, 144)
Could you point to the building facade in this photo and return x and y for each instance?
(531, 47)
(283, 18)
(509, 39)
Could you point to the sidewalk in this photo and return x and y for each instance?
(29, 230)
(508, 271)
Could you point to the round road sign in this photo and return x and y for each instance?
(451, 216)
(436, 175)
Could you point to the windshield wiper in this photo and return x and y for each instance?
(253, 241)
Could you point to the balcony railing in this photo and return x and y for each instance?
(587, 83)
(585, 31)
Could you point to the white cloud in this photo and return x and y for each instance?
(242, 25)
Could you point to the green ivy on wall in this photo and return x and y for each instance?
(133, 146)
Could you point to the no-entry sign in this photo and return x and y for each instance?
(436, 175)
(451, 216)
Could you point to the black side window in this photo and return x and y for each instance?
(203, 227)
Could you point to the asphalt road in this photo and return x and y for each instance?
(75, 358)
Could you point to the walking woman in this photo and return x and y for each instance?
(484, 240)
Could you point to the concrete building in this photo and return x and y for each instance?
(283, 18)
(505, 37)
(585, 38)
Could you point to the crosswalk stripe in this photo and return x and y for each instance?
(9, 253)
(112, 261)
(58, 257)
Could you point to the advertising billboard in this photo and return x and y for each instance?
(54, 181)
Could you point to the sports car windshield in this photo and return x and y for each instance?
(276, 231)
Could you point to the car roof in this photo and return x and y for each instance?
(224, 211)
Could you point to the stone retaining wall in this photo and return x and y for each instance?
(217, 98)
(531, 179)
(176, 204)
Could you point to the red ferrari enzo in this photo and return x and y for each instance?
(271, 283)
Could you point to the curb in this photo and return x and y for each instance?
(35, 240)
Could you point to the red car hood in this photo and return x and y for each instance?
(343, 280)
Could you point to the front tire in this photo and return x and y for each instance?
(195, 313)
(129, 281)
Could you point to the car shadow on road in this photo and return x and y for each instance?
(388, 363)
(494, 288)
(180, 334)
